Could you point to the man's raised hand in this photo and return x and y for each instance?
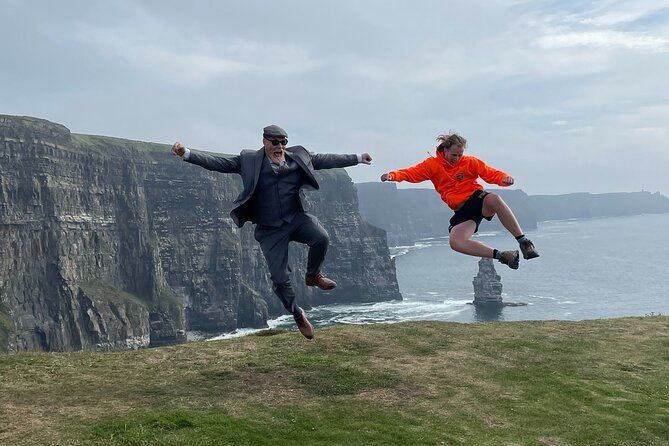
(178, 149)
(366, 158)
(385, 177)
(508, 180)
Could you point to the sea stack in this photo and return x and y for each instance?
(487, 284)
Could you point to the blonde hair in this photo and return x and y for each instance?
(449, 140)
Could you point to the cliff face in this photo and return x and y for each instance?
(412, 214)
(585, 205)
(107, 243)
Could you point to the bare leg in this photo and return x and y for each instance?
(460, 240)
(493, 204)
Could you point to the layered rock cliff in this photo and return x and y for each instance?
(107, 243)
(586, 205)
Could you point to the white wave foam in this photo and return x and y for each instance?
(281, 320)
(396, 251)
(235, 334)
(535, 296)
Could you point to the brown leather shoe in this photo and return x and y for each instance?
(321, 282)
(305, 326)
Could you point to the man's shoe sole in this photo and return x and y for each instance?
(324, 288)
(531, 255)
(310, 325)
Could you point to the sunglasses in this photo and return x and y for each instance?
(276, 142)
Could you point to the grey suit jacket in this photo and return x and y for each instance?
(249, 162)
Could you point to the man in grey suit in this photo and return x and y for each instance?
(272, 178)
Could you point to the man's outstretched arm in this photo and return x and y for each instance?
(415, 174)
(331, 161)
(493, 176)
(225, 164)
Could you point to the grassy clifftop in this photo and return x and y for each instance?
(534, 383)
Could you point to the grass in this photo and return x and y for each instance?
(596, 382)
(101, 292)
(106, 144)
(169, 303)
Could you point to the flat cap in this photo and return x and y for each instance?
(274, 131)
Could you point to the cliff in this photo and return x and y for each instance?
(108, 243)
(586, 205)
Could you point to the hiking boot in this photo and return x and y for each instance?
(510, 258)
(305, 326)
(527, 247)
(320, 281)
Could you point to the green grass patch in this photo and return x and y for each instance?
(270, 332)
(308, 360)
(169, 303)
(323, 374)
(166, 301)
(597, 382)
(266, 425)
(101, 292)
(332, 381)
(107, 144)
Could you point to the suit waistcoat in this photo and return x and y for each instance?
(276, 199)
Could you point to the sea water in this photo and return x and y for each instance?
(588, 269)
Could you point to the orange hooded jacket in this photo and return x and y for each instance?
(454, 182)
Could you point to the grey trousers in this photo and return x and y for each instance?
(304, 228)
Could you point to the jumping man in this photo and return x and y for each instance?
(454, 177)
(271, 199)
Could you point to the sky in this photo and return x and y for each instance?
(565, 96)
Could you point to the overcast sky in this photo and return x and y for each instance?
(566, 96)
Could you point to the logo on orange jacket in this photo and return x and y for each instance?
(460, 176)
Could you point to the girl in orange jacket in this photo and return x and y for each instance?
(454, 177)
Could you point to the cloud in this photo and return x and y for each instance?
(186, 58)
(487, 64)
(622, 13)
(658, 131)
(605, 39)
(531, 84)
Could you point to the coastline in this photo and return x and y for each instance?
(432, 297)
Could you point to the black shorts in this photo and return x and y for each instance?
(472, 209)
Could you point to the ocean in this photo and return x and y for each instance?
(588, 269)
